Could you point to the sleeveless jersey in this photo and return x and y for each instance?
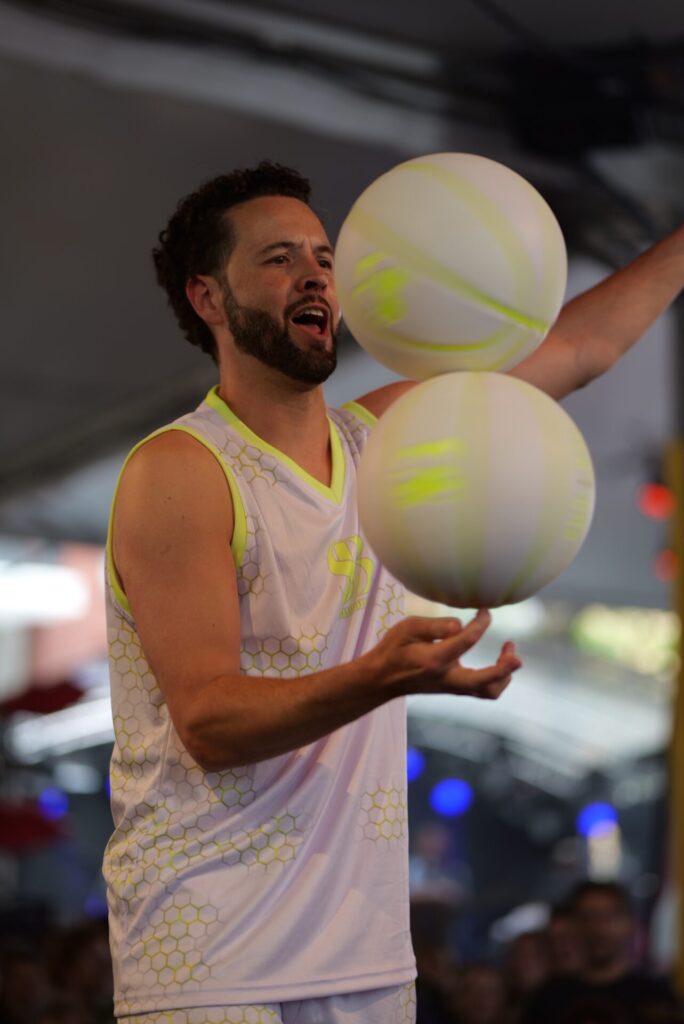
(286, 878)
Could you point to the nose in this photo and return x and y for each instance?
(312, 282)
(312, 277)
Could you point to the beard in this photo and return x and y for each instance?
(259, 334)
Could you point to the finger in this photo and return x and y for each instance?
(494, 690)
(452, 648)
(509, 651)
(489, 682)
(419, 627)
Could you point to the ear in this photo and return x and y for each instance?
(204, 295)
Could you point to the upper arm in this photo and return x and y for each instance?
(171, 532)
(378, 401)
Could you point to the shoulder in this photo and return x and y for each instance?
(639, 986)
(377, 402)
(173, 473)
(552, 995)
(171, 454)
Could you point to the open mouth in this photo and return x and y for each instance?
(313, 319)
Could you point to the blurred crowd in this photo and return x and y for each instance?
(579, 969)
(57, 976)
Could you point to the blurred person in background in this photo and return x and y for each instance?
(608, 979)
(25, 988)
(564, 944)
(435, 874)
(65, 1010)
(526, 970)
(81, 968)
(478, 995)
(591, 1012)
(434, 967)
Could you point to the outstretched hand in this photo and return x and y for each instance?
(422, 655)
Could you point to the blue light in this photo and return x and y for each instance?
(95, 906)
(415, 762)
(596, 818)
(451, 797)
(53, 803)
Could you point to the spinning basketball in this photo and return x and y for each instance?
(476, 489)
(450, 262)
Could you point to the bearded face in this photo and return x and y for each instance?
(259, 334)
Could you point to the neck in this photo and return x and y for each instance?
(287, 415)
(603, 974)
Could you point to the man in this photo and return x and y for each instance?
(607, 980)
(258, 867)
(565, 948)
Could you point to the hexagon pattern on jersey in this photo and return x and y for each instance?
(166, 957)
(249, 578)
(356, 430)
(384, 815)
(210, 1015)
(252, 463)
(167, 843)
(406, 1013)
(287, 656)
(391, 607)
(140, 700)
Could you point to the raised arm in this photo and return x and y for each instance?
(594, 329)
(172, 527)
(597, 327)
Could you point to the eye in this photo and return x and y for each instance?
(279, 259)
(325, 262)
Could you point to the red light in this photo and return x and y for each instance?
(656, 501)
(665, 565)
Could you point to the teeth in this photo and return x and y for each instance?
(312, 312)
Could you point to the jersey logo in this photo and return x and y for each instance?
(345, 558)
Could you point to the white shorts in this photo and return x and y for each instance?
(396, 1005)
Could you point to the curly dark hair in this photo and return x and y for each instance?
(198, 238)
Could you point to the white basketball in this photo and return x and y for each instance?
(475, 489)
(450, 262)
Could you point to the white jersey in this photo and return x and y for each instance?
(286, 878)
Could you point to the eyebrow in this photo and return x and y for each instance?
(285, 244)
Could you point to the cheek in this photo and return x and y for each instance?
(267, 297)
(335, 306)
(258, 288)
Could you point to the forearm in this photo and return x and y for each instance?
(232, 719)
(240, 719)
(605, 321)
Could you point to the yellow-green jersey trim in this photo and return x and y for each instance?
(336, 488)
(238, 541)
(361, 413)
